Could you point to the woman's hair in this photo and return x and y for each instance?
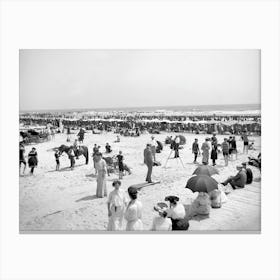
(133, 195)
(116, 182)
(163, 214)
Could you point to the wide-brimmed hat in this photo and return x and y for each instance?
(161, 206)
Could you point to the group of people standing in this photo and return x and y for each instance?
(210, 149)
(32, 159)
(122, 207)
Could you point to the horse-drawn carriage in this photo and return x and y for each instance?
(32, 136)
(113, 167)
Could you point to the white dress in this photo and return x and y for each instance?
(118, 201)
(133, 216)
(101, 189)
(161, 223)
(176, 213)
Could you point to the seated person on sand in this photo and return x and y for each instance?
(255, 161)
(216, 198)
(201, 205)
(161, 222)
(249, 173)
(108, 148)
(237, 181)
(118, 139)
(177, 213)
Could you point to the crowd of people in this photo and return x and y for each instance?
(126, 206)
(135, 123)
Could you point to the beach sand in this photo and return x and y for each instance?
(65, 200)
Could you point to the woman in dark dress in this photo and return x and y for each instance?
(32, 159)
(120, 164)
(214, 154)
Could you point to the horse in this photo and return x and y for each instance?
(83, 150)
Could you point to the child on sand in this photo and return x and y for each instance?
(117, 202)
(57, 154)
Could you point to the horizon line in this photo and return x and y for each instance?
(131, 107)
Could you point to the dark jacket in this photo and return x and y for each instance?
(148, 156)
(249, 175)
(214, 154)
(240, 179)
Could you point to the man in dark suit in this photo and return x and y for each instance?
(239, 180)
(249, 173)
(148, 160)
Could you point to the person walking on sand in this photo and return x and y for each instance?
(101, 189)
(120, 164)
(117, 203)
(176, 146)
(205, 151)
(21, 157)
(214, 154)
(195, 149)
(153, 144)
(148, 160)
(133, 213)
(245, 139)
(225, 150)
(234, 147)
(57, 155)
(32, 160)
(71, 156)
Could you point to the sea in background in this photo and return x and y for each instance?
(238, 108)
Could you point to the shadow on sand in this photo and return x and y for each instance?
(86, 198)
(68, 168)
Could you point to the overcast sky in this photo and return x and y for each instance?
(78, 79)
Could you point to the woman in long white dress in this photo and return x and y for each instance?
(133, 213)
(117, 202)
(205, 151)
(101, 189)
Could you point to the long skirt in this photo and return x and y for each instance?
(134, 225)
(180, 224)
(101, 189)
(116, 220)
(205, 157)
(32, 162)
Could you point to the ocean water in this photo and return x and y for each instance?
(191, 109)
(194, 108)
